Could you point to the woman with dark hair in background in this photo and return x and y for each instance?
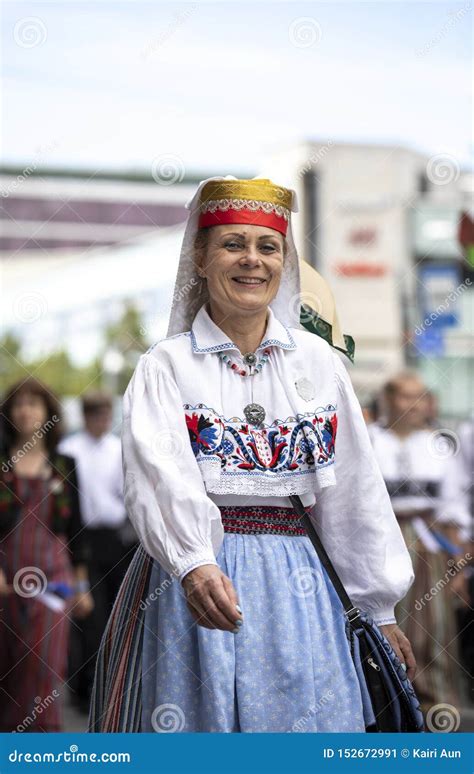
(42, 559)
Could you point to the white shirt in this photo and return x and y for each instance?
(100, 477)
(423, 471)
(187, 447)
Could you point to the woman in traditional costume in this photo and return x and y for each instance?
(226, 620)
(43, 559)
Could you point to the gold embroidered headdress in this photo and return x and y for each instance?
(258, 202)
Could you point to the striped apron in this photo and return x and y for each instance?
(116, 695)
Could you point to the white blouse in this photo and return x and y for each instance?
(188, 448)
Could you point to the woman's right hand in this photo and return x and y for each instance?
(212, 599)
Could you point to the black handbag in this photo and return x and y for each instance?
(394, 702)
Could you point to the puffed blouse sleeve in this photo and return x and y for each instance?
(355, 519)
(165, 496)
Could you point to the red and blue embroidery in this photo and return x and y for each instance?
(297, 444)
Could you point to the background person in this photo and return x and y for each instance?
(424, 481)
(41, 543)
(107, 531)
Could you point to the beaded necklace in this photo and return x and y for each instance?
(254, 412)
(249, 359)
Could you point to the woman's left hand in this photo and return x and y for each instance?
(401, 646)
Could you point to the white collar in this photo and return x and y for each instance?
(206, 336)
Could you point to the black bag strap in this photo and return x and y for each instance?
(352, 612)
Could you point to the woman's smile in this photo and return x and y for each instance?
(249, 282)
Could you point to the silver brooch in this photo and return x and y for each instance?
(254, 414)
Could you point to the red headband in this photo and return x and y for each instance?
(255, 202)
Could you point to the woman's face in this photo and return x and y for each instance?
(28, 413)
(243, 266)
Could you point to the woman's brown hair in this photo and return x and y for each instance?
(53, 425)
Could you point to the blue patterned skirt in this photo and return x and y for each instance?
(288, 669)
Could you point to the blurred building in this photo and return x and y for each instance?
(74, 245)
(380, 223)
(46, 211)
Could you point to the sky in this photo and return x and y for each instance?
(216, 87)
